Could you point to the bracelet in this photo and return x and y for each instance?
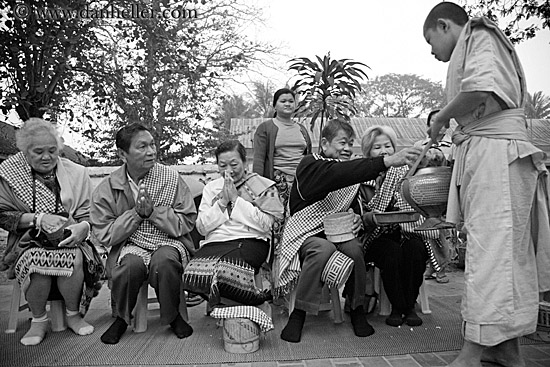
(39, 222)
(35, 219)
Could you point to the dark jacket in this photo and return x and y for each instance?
(316, 176)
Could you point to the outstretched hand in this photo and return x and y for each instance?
(436, 124)
(405, 156)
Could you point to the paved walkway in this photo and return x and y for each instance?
(535, 355)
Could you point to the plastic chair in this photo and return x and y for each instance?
(385, 306)
(143, 300)
(333, 303)
(56, 313)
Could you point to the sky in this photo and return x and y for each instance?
(385, 35)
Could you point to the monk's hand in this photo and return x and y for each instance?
(77, 233)
(357, 223)
(406, 156)
(144, 205)
(436, 124)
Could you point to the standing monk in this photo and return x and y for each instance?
(499, 185)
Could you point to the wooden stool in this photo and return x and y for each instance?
(334, 303)
(140, 311)
(385, 305)
(56, 314)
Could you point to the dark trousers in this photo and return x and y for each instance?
(402, 264)
(314, 254)
(164, 275)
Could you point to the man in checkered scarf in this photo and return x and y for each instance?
(144, 213)
(326, 183)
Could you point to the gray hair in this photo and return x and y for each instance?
(36, 127)
(367, 141)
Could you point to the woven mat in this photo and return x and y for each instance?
(158, 346)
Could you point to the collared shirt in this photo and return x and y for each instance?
(133, 186)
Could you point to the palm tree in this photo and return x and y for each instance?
(327, 87)
(538, 106)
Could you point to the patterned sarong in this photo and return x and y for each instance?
(161, 183)
(215, 277)
(34, 259)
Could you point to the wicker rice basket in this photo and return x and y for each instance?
(427, 191)
(241, 335)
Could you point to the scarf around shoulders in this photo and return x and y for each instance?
(391, 189)
(300, 226)
(260, 192)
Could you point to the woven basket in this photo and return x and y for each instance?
(427, 191)
(337, 269)
(241, 335)
(543, 323)
(339, 227)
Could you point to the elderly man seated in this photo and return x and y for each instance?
(144, 213)
(326, 183)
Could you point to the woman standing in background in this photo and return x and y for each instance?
(279, 145)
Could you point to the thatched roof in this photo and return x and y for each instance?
(408, 130)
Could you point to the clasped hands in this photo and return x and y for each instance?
(229, 192)
(144, 204)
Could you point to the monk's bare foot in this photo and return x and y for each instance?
(506, 354)
(469, 356)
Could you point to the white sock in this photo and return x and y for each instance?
(40, 318)
(37, 332)
(77, 324)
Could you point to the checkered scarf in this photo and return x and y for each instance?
(303, 224)
(17, 173)
(161, 183)
(249, 312)
(391, 189)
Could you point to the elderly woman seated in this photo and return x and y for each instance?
(44, 205)
(236, 216)
(396, 249)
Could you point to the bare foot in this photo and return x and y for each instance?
(469, 356)
(506, 354)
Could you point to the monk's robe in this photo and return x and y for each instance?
(499, 189)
